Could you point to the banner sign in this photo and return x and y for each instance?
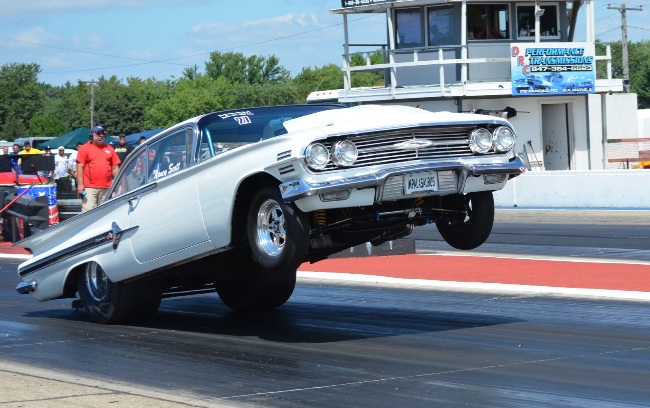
(552, 68)
(356, 3)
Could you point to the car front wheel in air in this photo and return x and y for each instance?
(470, 222)
(278, 233)
(278, 239)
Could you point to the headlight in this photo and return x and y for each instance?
(504, 139)
(480, 140)
(317, 156)
(345, 153)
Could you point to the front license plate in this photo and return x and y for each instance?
(417, 182)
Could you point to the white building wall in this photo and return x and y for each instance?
(612, 189)
(597, 159)
(620, 115)
(643, 122)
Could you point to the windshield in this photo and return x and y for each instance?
(253, 125)
(222, 131)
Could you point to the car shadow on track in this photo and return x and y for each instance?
(305, 318)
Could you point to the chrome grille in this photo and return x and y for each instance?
(381, 147)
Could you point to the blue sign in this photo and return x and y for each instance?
(552, 69)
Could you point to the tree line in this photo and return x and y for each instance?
(228, 81)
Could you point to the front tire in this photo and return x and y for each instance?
(108, 302)
(278, 239)
(278, 233)
(473, 224)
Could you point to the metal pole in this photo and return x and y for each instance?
(625, 60)
(92, 101)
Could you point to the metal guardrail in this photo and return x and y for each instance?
(391, 65)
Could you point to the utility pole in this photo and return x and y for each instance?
(626, 66)
(92, 101)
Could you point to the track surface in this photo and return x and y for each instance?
(345, 344)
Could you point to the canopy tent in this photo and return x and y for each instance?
(70, 139)
(134, 138)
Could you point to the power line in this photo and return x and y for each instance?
(167, 60)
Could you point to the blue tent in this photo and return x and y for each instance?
(134, 139)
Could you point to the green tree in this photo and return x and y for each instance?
(239, 69)
(117, 108)
(190, 98)
(638, 60)
(42, 125)
(318, 79)
(21, 96)
(266, 95)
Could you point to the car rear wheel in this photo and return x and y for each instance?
(255, 289)
(473, 224)
(107, 302)
(278, 238)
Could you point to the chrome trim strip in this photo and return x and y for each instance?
(296, 189)
(84, 246)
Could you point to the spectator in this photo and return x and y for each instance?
(97, 165)
(47, 174)
(61, 171)
(72, 160)
(122, 148)
(142, 139)
(15, 161)
(5, 150)
(27, 149)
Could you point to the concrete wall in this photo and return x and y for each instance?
(611, 189)
(643, 120)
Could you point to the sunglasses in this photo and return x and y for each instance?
(101, 133)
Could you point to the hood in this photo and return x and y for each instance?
(368, 118)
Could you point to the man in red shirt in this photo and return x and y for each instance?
(97, 165)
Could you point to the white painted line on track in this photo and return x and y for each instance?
(539, 258)
(473, 286)
(15, 256)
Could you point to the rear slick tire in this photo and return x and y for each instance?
(108, 302)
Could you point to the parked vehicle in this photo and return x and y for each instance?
(39, 142)
(235, 201)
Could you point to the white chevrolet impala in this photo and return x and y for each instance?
(235, 201)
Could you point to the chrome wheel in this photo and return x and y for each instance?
(97, 282)
(271, 231)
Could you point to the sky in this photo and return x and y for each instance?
(81, 40)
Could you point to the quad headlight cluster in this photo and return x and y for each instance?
(483, 141)
(344, 154)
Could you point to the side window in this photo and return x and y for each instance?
(168, 155)
(134, 176)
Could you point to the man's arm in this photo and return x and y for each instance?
(114, 171)
(80, 177)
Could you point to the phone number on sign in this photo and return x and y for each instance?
(562, 68)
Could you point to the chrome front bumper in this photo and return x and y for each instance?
(296, 189)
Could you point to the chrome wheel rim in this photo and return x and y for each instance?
(271, 231)
(97, 282)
